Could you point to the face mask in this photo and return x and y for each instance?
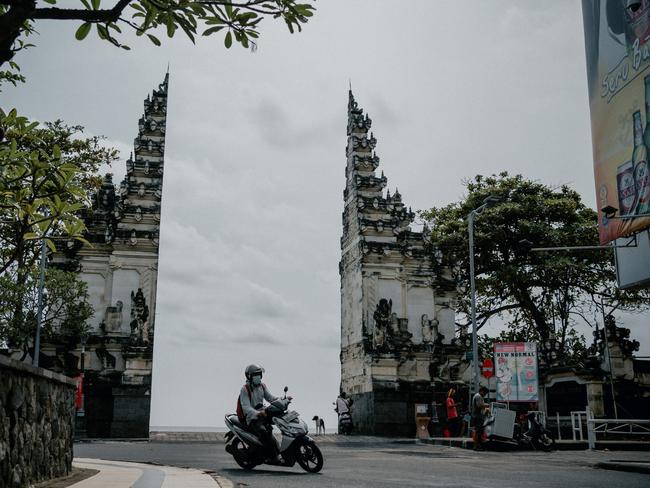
(257, 380)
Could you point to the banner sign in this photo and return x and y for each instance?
(617, 44)
(516, 364)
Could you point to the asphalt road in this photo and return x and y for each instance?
(383, 465)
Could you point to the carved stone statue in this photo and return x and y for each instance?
(139, 318)
(382, 319)
(394, 325)
(427, 330)
(390, 332)
(430, 332)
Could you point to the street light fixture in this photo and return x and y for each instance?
(490, 201)
(610, 213)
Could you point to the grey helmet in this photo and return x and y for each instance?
(253, 369)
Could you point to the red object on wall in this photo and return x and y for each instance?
(487, 369)
(78, 394)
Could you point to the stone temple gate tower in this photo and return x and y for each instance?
(397, 315)
(121, 270)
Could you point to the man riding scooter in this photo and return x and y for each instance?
(251, 412)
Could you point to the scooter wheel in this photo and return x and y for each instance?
(547, 443)
(240, 454)
(309, 457)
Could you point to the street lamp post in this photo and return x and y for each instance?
(41, 286)
(606, 333)
(39, 313)
(488, 202)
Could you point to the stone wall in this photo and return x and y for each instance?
(36, 424)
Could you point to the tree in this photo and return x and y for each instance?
(46, 176)
(238, 19)
(541, 295)
(66, 309)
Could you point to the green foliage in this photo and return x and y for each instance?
(539, 294)
(47, 173)
(11, 75)
(66, 308)
(239, 20)
(46, 176)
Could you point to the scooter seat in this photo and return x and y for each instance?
(235, 421)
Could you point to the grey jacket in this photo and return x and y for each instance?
(478, 405)
(257, 396)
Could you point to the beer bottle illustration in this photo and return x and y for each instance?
(641, 175)
(627, 196)
(640, 161)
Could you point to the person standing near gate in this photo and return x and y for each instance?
(452, 413)
(479, 410)
(343, 405)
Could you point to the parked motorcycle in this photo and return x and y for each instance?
(295, 446)
(345, 423)
(536, 437)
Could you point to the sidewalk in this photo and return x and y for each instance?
(563, 445)
(118, 474)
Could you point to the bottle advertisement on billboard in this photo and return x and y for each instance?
(516, 371)
(617, 44)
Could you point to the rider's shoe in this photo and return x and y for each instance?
(275, 459)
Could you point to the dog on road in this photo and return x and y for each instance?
(320, 425)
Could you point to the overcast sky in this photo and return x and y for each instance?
(254, 166)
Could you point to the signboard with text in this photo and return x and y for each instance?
(617, 43)
(516, 371)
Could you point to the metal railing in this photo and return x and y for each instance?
(614, 426)
(576, 424)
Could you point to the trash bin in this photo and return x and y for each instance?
(422, 419)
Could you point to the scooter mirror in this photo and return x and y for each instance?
(286, 389)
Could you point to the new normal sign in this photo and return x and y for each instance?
(516, 371)
(617, 43)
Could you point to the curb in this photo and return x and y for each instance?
(222, 481)
(567, 445)
(630, 467)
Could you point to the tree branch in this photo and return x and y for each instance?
(54, 13)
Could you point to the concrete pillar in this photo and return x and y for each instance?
(595, 398)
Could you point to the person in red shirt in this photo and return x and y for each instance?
(452, 413)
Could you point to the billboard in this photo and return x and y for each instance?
(617, 44)
(633, 261)
(516, 371)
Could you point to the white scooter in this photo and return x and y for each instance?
(296, 446)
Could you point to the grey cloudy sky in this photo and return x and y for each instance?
(254, 169)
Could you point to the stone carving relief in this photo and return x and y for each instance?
(113, 317)
(105, 197)
(108, 234)
(105, 357)
(391, 332)
(139, 319)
